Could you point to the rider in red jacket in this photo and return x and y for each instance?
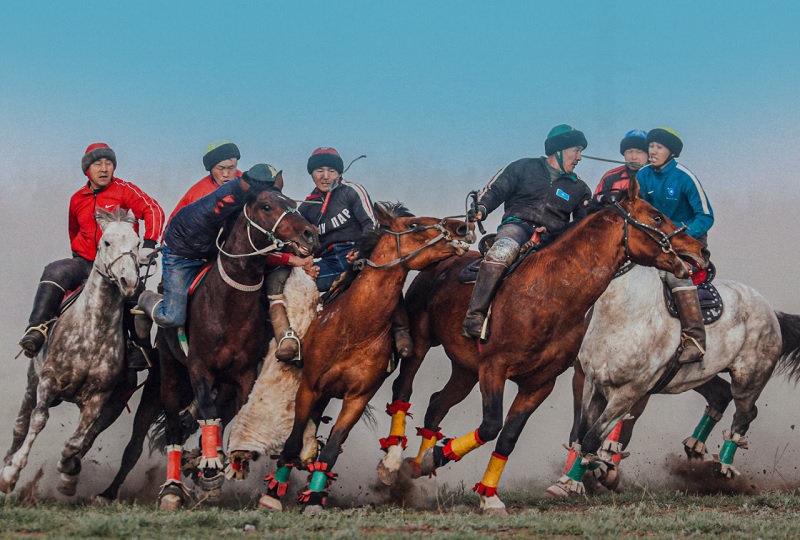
(102, 190)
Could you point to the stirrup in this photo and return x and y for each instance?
(42, 329)
(297, 361)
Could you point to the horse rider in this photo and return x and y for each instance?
(190, 241)
(633, 148)
(540, 195)
(674, 190)
(221, 160)
(342, 211)
(102, 190)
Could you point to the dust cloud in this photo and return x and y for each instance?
(753, 240)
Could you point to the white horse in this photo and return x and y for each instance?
(627, 348)
(84, 360)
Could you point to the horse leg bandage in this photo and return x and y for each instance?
(574, 450)
(210, 435)
(429, 440)
(697, 442)
(456, 449)
(491, 478)
(278, 482)
(174, 463)
(398, 410)
(733, 441)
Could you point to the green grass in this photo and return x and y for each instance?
(453, 513)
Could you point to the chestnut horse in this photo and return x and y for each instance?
(227, 329)
(348, 347)
(747, 341)
(536, 328)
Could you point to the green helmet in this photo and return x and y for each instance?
(563, 136)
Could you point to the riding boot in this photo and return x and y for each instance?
(693, 330)
(402, 335)
(45, 308)
(288, 342)
(138, 356)
(143, 313)
(489, 277)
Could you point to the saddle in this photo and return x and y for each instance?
(710, 301)
(469, 273)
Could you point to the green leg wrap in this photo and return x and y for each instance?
(318, 481)
(577, 471)
(703, 429)
(727, 452)
(282, 474)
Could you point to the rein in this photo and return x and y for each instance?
(444, 234)
(106, 271)
(651, 232)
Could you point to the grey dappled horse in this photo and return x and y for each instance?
(83, 362)
(629, 342)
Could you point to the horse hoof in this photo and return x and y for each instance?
(170, 502)
(610, 480)
(69, 484)
(558, 490)
(6, 485)
(390, 465)
(413, 468)
(270, 502)
(211, 483)
(102, 500)
(386, 476)
(314, 510)
(493, 506)
(427, 464)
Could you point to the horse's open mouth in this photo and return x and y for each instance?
(303, 251)
(460, 246)
(697, 262)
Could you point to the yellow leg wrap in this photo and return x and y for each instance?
(494, 471)
(398, 424)
(460, 447)
(424, 446)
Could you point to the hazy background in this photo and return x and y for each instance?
(439, 96)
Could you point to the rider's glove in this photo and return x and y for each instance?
(472, 213)
(146, 255)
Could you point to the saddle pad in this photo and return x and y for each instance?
(70, 298)
(199, 278)
(710, 302)
(469, 273)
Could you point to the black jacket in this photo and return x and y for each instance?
(348, 216)
(529, 194)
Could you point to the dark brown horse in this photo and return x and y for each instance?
(536, 327)
(348, 346)
(227, 331)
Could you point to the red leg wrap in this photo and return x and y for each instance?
(484, 490)
(427, 433)
(393, 440)
(398, 406)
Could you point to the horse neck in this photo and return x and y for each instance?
(381, 286)
(100, 301)
(245, 268)
(584, 260)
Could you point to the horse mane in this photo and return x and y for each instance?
(365, 247)
(117, 215)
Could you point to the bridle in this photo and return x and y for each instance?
(444, 234)
(650, 231)
(109, 275)
(275, 244)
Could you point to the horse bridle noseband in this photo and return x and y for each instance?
(664, 242)
(444, 234)
(106, 271)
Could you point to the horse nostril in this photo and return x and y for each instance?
(123, 281)
(462, 230)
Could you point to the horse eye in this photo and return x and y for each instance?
(658, 219)
(105, 243)
(413, 225)
(266, 208)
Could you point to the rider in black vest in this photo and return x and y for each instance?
(540, 195)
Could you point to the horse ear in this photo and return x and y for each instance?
(103, 217)
(279, 181)
(383, 217)
(633, 189)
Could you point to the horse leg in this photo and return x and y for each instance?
(456, 389)
(492, 381)
(212, 474)
(173, 493)
(396, 442)
(315, 496)
(97, 413)
(524, 404)
(718, 395)
(24, 416)
(573, 446)
(45, 394)
(150, 406)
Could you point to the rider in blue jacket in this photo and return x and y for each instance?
(675, 190)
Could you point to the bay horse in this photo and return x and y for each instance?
(348, 346)
(536, 328)
(747, 341)
(227, 330)
(83, 362)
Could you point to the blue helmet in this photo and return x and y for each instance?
(635, 138)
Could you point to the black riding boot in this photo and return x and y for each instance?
(45, 307)
(138, 350)
(693, 330)
(489, 276)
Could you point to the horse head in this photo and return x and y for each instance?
(419, 241)
(277, 218)
(652, 239)
(116, 252)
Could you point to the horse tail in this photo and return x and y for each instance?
(789, 361)
(158, 431)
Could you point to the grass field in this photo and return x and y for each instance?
(450, 514)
